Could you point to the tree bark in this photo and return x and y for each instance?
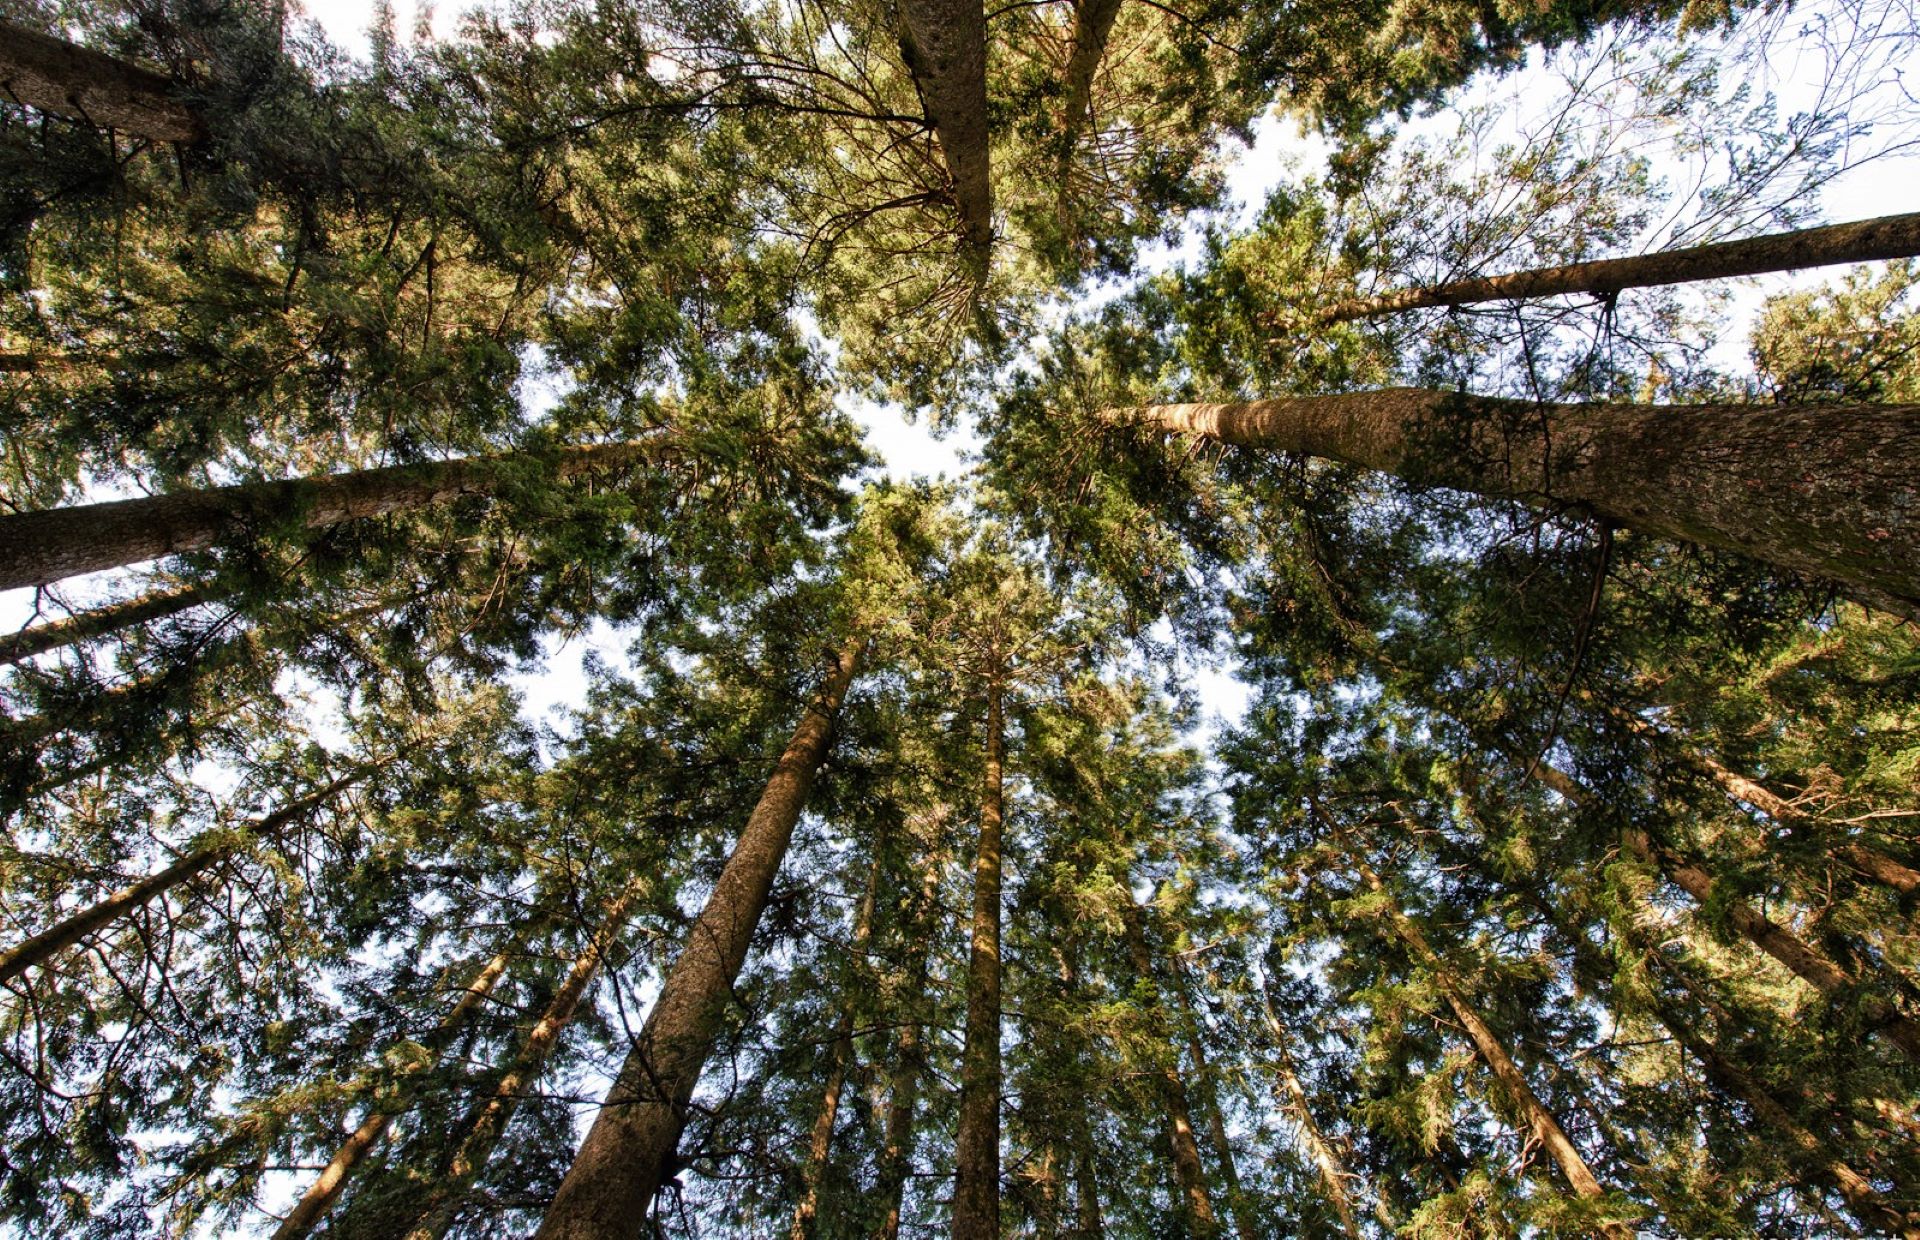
(627, 1153)
(1513, 1082)
(1092, 25)
(1890, 236)
(1333, 1174)
(909, 1062)
(1828, 490)
(50, 942)
(976, 1191)
(1193, 1203)
(84, 85)
(99, 621)
(486, 1126)
(945, 46)
(313, 1206)
(820, 1138)
(37, 548)
(1208, 1091)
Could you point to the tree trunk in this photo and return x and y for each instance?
(84, 85)
(909, 1063)
(820, 1139)
(37, 548)
(945, 46)
(628, 1152)
(1513, 1082)
(313, 1206)
(486, 1126)
(1826, 490)
(976, 1191)
(1208, 1091)
(1086, 1180)
(1190, 1178)
(1890, 236)
(50, 942)
(1293, 1098)
(1092, 24)
(99, 621)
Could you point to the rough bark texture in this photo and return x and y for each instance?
(1890, 236)
(37, 548)
(100, 621)
(1293, 1099)
(56, 939)
(976, 1190)
(314, 1204)
(1092, 24)
(945, 46)
(490, 1121)
(84, 85)
(1828, 490)
(1190, 1177)
(628, 1152)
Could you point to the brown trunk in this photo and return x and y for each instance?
(50, 942)
(37, 548)
(486, 1126)
(909, 1063)
(1208, 1093)
(84, 85)
(1092, 24)
(1825, 490)
(1192, 1202)
(319, 1199)
(820, 1139)
(1868, 862)
(976, 1190)
(1513, 1082)
(1890, 236)
(945, 46)
(1086, 1181)
(1293, 1099)
(100, 621)
(629, 1151)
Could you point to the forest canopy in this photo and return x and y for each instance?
(1407, 723)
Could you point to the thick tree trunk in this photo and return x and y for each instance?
(945, 45)
(909, 1060)
(1293, 1099)
(628, 1152)
(976, 1191)
(84, 85)
(50, 942)
(1538, 1119)
(1890, 236)
(1827, 490)
(1092, 24)
(37, 548)
(1192, 1201)
(820, 1138)
(319, 1199)
(1208, 1091)
(99, 621)
(486, 1126)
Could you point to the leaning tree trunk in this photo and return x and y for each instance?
(1207, 1090)
(619, 1168)
(976, 1191)
(1826, 490)
(55, 939)
(37, 548)
(945, 45)
(1333, 1175)
(820, 1138)
(1890, 236)
(489, 1123)
(314, 1204)
(1092, 24)
(99, 621)
(84, 85)
(1540, 1121)
(1190, 1177)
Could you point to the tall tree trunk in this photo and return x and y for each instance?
(1513, 1082)
(37, 548)
(820, 1138)
(99, 621)
(489, 1123)
(43, 946)
(1293, 1099)
(1890, 236)
(1092, 24)
(909, 1058)
(628, 1152)
(976, 1191)
(313, 1206)
(945, 45)
(1086, 1180)
(84, 85)
(1208, 1092)
(1826, 490)
(1190, 1178)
